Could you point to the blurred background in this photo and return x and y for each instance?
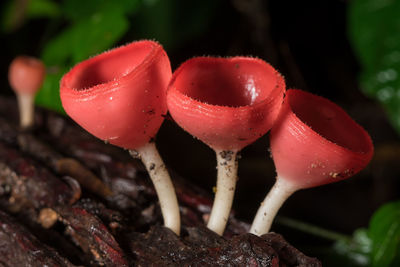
(347, 51)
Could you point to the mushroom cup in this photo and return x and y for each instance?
(227, 103)
(119, 96)
(313, 142)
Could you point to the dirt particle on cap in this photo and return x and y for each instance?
(334, 174)
(313, 165)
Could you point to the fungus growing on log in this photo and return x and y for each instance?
(26, 75)
(227, 103)
(313, 142)
(119, 96)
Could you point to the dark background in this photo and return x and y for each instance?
(307, 41)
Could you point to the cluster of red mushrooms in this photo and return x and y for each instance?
(122, 96)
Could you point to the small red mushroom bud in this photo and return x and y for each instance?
(26, 75)
(313, 142)
(227, 103)
(119, 96)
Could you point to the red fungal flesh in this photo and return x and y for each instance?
(110, 66)
(227, 103)
(119, 96)
(225, 82)
(315, 142)
(26, 74)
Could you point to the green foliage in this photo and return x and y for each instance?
(93, 26)
(77, 30)
(377, 246)
(384, 231)
(82, 39)
(85, 38)
(42, 8)
(49, 95)
(357, 249)
(374, 27)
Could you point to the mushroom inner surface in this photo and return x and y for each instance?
(328, 120)
(110, 66)
(226, 82)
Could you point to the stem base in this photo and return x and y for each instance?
(162, 184)
(226, 184)
(278, 194)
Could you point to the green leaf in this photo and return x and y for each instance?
(85, 38)
(384, 231)
(58, 50)
(81, 40)
(374, 28)
(96, 34)
(49, 95)
(357, 250)
(42, 8)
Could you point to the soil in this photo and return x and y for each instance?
(69, 199)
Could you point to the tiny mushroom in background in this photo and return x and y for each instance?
(119, 96)
(313, 142)
(26, 75)
(227, 103)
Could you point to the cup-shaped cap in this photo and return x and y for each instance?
(26, 74)
(227, 103)
(120, 95)
(315, 142)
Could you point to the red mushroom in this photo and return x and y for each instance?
(313, 142)
(26, 75)
(119, 97)
(227, 103)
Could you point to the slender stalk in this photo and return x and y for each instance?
(270, 206)
(162, 183)
(26, 110)
(226, 184)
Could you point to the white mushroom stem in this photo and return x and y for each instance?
(26, 109)
(162, 183)
(279, 193)
(225, 190)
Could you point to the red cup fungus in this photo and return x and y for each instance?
(119, 96)
(313, 142)
(26, 75)
(227, 103)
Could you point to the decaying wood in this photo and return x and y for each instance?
(115, 220)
